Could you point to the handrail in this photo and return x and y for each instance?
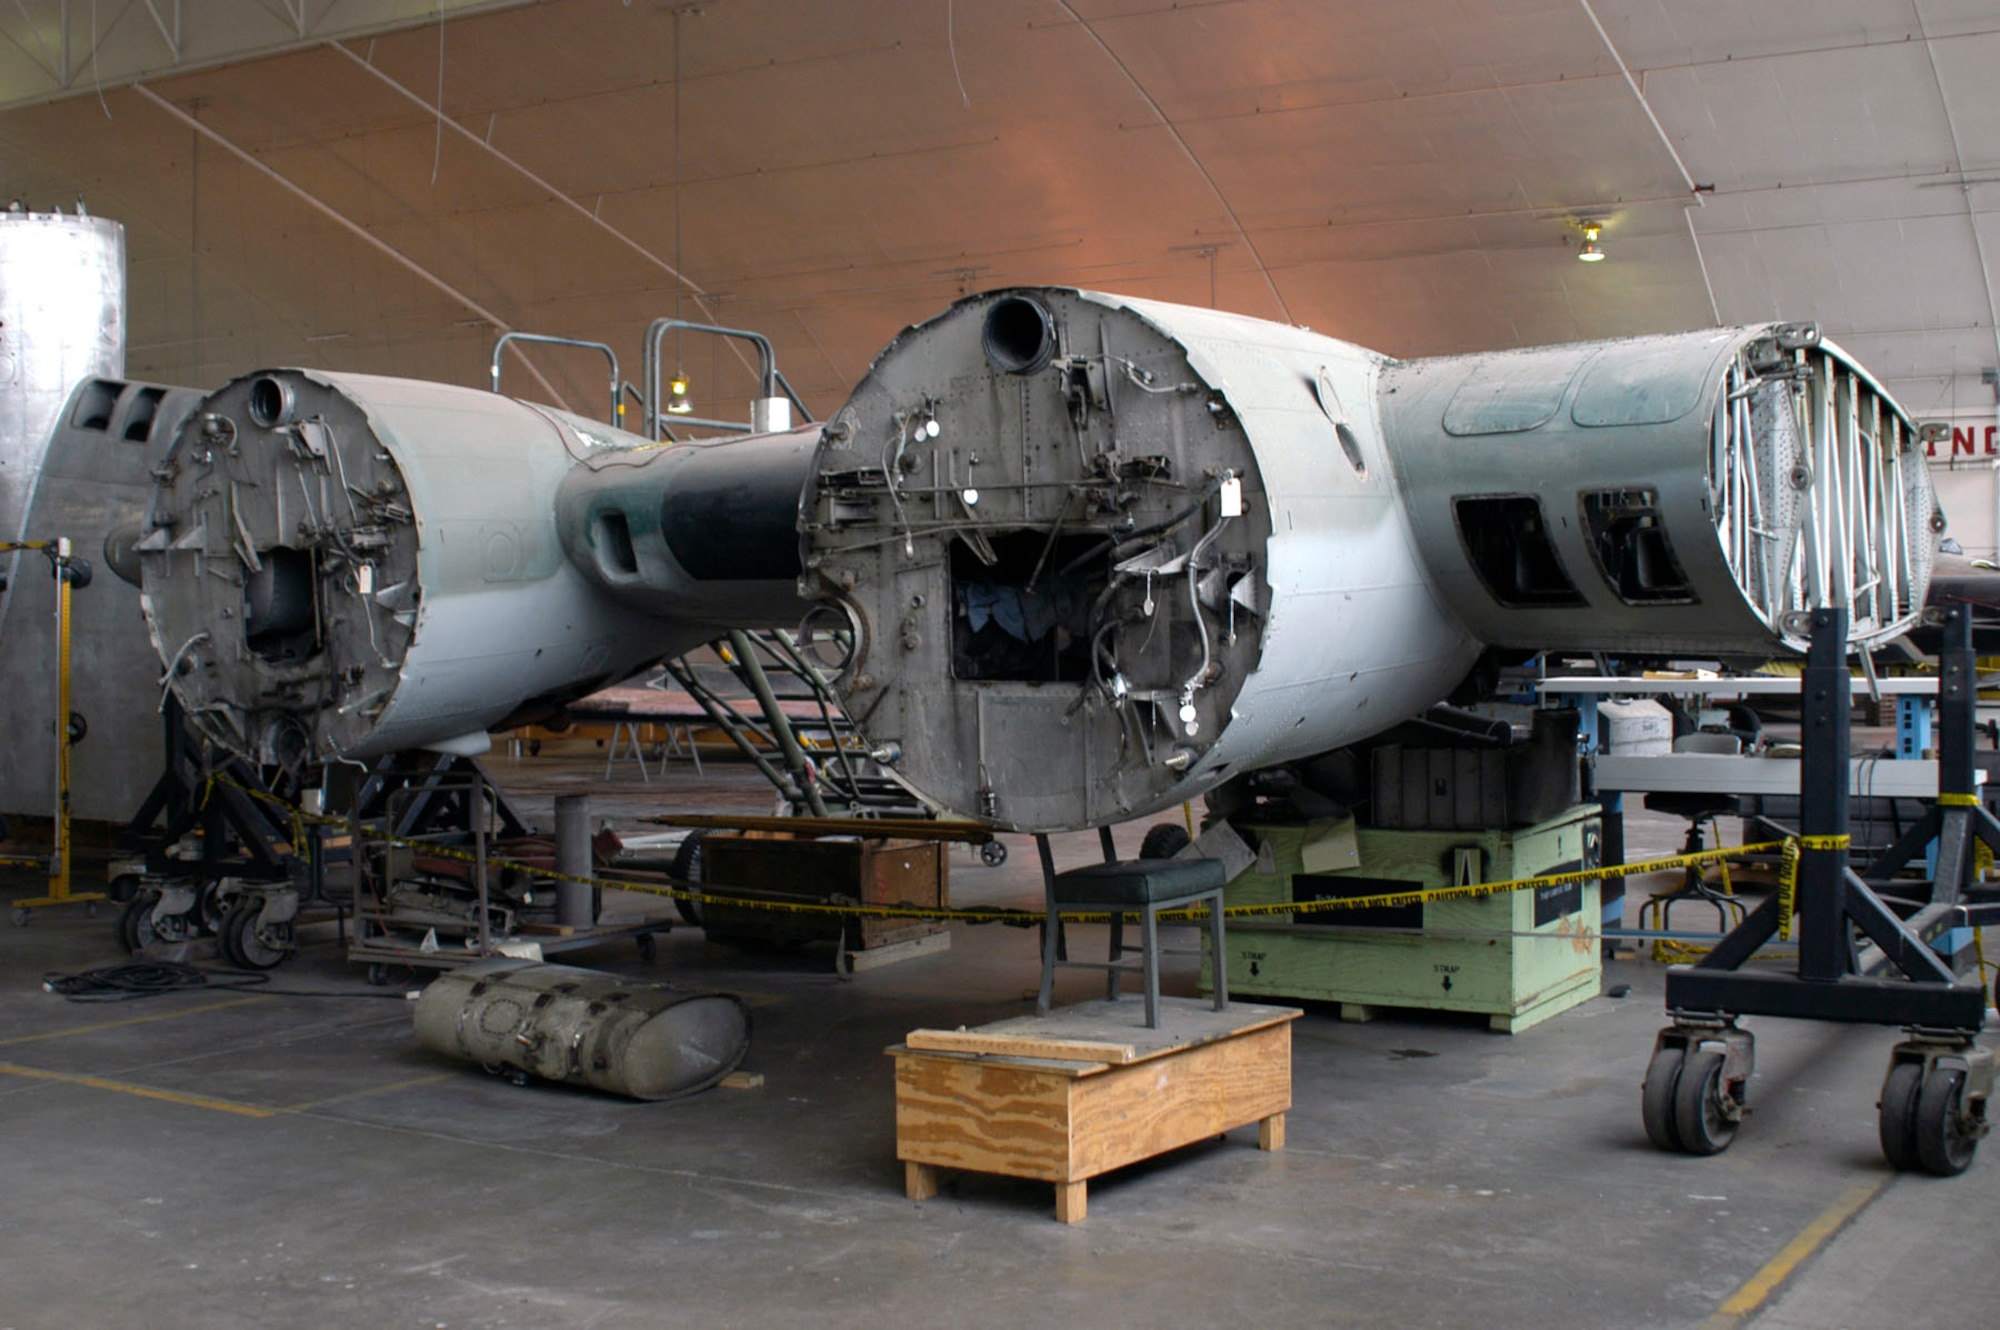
(768, 377)
(545, 339)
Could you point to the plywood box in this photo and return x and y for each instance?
(1119, 1092)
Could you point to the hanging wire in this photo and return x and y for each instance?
(437, 152)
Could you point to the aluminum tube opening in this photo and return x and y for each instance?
(1019, 336)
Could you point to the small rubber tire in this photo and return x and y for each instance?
(993, 853)
(649, 947)
(22, 914)
(378, 974)
(225, 942)
(247, 950)
(1656, 1098)
(1703, 1126)
(1943, 1147)
(135, 923)
(687, 868)
(1897, 1116)
(1164, 840)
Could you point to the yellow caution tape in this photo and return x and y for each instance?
(1825, 842)
(856, 909)
(1958, 800)
(1788, 886)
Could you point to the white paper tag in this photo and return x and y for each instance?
(1232, 497)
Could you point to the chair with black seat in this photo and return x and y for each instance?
(1700, 808)
(1145, 886)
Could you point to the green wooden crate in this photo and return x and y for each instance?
(1519, 957)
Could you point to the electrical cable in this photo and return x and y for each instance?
(132, 980)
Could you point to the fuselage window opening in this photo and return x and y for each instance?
(1628, 538)
(1508, 542)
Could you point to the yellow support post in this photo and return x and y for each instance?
(59, 856)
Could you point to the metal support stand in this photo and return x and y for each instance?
(1696, 1086)
(70, 572)
(1958, 819)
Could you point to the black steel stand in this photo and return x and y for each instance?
(1934, 1101)
(1958, 819)
(248, 881)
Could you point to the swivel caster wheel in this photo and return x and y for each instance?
(246, 946)
(22, 914)
(1694, 1094)
(1706, 1110)
(137, 929)
(993, 853)
(1933, 1106)
(649, 947)
(1947, 1134)
(378, 975)
(1656, 1098)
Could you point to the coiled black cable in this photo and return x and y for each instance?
(132, 980)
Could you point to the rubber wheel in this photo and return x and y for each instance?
(245, 948)
(649, 947)
(1898, 1115)
(22, 914)
(993, 853)
(1164, 840)
(1944, 1148)
(1698, 1117)
(687, 868)
(225, 942)
(1656, 1099)
(135, 923)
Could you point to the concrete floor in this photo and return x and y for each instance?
(225, 1159)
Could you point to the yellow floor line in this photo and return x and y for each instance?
(1750, 1299)
(410, 1084)
(135, 1020)
(142, 1091)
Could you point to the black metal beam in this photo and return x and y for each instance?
(1904, 949)
(1826, 947)
(1854, 999)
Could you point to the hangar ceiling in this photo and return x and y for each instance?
(304, 183)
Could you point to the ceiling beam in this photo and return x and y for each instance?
(231, 30)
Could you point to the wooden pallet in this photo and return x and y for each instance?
(1087, 1089)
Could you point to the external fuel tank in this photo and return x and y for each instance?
(585, 1027)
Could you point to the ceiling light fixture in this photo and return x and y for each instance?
(1590, 253)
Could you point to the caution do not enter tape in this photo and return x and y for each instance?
(1789, 847)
